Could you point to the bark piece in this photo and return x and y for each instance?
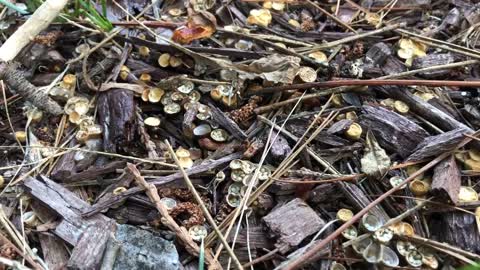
(393, 131)
(446, 180)
(93, 172)
(393, 66)
(66, 165)
(227, 123)
(292, 223)
(378, 53)
(64, 203)
(280, 148)
(458, 229)
(340, 127)
(426, 110)
(257, 238)
(54, 252)
(360, 200)
(434, 145)
(89, 236)
(433, 60)
(16, 81)
(88, 251)
(203, 167)
(116, 110)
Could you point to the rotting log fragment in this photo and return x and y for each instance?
(435, 145)
(458, 229)
(54, 251)
(116, 110)
(433, 60)
(393, 131)
(446, 181)
(15, 79)
(89, 236)
(424, 109)
(292, 223)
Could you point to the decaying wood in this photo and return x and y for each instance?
(394, 132)
(94, 172)
(340, 127)
(205, 166)
(89, 236)
(433, 60)
(54, 251)
(378, 53)
(88, 251)
(458, 229)
(223, 120)
(446, 180)
(14, 78)
(116, 109)
(427, 111)
(291, 223)
(434, 145)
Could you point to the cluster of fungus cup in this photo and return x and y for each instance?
(396, 105)
(77, 109)
(184, 158)
(242, 172)
(168, 60)
(410, 49)
(225, 95)
(261, 17)
(65, 89)
(33, 114)
(379, 246)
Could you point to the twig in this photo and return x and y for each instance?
(355, 37)
(441, 246)
(181, 232)
(299, 261)
(335, 90)
(375, 82)
(262, 258)
(204, 208)
(337, 20)
(40, 19)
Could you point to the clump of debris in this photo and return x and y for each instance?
(240, 134)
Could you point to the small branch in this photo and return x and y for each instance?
(204, 208)
(375, 82)
(40, 20)
(443, 247)
(356, 37)
(181, 232)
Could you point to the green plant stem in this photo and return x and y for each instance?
(12, 6)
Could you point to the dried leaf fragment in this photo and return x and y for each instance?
(375, 162)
